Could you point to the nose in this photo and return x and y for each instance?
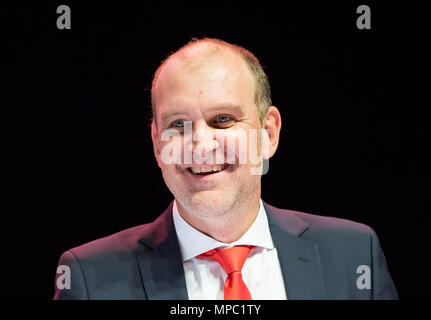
(204, 140)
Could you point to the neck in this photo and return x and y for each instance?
(231, 225)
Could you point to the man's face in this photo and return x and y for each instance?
(216, 94)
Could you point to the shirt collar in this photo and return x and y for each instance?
(193, 242)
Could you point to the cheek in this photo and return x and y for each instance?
(171, 175)
(170, 152)
(236, 144)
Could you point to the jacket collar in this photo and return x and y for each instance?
(161, 264)
(163, 273)
(299, 257)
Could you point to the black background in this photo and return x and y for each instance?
(78, 162)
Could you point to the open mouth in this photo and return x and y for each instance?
(209, 170)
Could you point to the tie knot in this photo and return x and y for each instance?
(231, 259)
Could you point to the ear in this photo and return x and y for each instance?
(154, 137)
(272, 125)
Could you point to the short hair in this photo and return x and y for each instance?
(263, 90)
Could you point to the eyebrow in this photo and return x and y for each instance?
(235, 109)
(230, 108)
(166, 116)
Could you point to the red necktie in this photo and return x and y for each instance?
(232, 260)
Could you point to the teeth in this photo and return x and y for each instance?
(214, 168)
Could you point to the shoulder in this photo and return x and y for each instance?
(105, 267)
(323, 226)
(328, 223)
(122, 243)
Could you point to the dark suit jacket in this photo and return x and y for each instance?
(319, 257)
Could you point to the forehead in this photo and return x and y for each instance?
(204, 80)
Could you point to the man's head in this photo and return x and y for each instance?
(211, 46)
(224, 93)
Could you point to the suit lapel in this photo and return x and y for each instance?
(299, 257)
(161, 264)
(163, 273)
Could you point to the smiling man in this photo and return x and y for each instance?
(213, 130)
(215, 90)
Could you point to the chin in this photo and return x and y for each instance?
(210, 203)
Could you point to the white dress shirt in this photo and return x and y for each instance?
(205, 278)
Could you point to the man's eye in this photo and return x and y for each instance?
(177, 124)
(223, 118)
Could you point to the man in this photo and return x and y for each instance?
(218, 239)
